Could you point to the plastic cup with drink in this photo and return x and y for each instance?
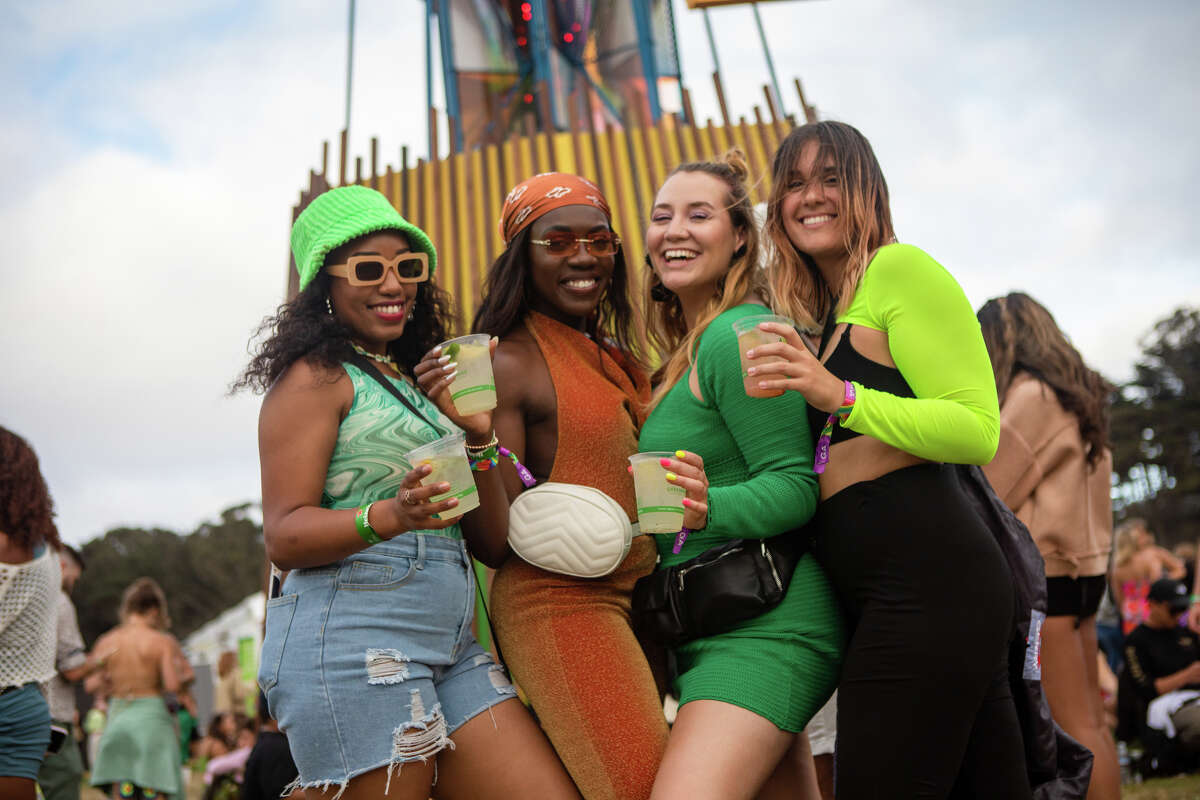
(749, 337)
(473, 389)
(448, 458)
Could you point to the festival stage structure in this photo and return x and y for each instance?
(553, 85)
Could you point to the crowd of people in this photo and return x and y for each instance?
(828, 452)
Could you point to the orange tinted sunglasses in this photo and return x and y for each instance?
(372, 270)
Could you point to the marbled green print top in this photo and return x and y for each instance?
(368, 461)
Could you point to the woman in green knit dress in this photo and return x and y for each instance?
(746, 464)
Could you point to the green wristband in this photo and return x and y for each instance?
(365, 530)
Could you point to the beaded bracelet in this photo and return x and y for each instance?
(363, 525)
(822, 457)
(477, 449)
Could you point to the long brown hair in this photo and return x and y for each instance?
(666, 327)
(797, 287)
(26, 510)
(1021, 336)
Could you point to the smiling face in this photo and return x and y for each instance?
(375, 314)
(812, 208)
(691, 238)
(569, 288)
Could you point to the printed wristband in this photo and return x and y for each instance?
(680, 538)
(484, 462)
(363, 526)
(525, 475)
(822, 456)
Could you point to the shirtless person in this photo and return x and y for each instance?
(139, 752)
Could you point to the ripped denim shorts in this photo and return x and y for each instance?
(371, 662)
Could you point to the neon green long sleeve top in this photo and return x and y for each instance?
(937, 345)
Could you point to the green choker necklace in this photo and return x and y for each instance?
(391, 362)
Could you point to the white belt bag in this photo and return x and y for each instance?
(569, 529)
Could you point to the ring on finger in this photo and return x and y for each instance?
(407, 498)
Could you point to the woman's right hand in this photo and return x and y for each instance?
(410, 509)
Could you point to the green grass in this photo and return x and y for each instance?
(1181, 787)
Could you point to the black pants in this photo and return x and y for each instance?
(924, 707)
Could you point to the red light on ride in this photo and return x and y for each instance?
(528, 98)
(568, 37)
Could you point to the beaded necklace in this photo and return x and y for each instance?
(385, 359)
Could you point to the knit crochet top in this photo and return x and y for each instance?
(28, 609)
(758, 452)
(600, 397)
(368, 460)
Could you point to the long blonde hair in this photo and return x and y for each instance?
(797, 288)
(667, 329)
(1127, 540)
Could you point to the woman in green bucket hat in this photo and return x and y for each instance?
(368, 661)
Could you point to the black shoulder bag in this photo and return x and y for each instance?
(718, 589)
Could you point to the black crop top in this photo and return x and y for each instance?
(848, 364)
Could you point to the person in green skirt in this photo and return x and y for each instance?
(746, 465)
(138, 755)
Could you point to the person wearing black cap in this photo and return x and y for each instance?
(1163, 661)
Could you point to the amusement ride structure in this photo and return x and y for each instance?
(591, 87)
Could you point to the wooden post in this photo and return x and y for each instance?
(342, 162)
(375, 163)
(725, 118)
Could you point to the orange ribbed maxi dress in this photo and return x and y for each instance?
(568, 641)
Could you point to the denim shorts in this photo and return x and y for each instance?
(24, 731)
(371, 662)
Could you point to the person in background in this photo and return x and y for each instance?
(221, 736)
(270, 770)
(1185, 551)
(1163, 660)
(139, 751)
(1137, 563)
(1053, 468)
(30, 581)
(230, 693)
(61, 774)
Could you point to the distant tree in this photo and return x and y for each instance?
(1156, 431)
(202, 573)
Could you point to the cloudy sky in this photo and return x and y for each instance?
(152, 153)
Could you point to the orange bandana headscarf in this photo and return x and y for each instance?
(543, 193)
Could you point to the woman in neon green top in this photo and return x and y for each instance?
(747, 468)
(900, 389)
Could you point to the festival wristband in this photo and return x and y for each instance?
(823, 442)
(363, 526)
(680, 538)
(525, 475)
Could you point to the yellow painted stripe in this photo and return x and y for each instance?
(564, 153)
(477, 267)
(494, 200)
(464, 266)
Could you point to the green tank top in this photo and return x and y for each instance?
(368, 461)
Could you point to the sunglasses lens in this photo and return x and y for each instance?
(368, 271)
(410, 268)
(603, 244)
(561, 243)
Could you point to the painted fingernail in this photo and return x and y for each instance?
(680, 454)
(750, 353)
(452, 365)
(452, 502)
(436, 350)
(444, 360)
(752, 370)
(672, 476)
(443, 487)
(629, 469)
(450, 377)
(666, 462)
(687, 502)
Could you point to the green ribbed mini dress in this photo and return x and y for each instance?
(758, 454)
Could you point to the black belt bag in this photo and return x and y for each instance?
(716, 590)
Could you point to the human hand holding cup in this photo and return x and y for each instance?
(750, 336)
(457, 376)
(672, 493)
(448, 469)
(787, 363)
(411, 509)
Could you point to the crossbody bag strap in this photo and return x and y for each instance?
(366, 366)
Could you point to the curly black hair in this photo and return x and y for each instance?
(304, 328)
(508, 288)
(26, 510)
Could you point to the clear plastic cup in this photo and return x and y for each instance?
(749, 336)
(474, 389)
(659, 503)
(448, 457)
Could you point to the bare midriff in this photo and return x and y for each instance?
(862, 458)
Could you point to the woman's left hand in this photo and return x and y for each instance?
(687, 470)
(434, 374)
(799, 371)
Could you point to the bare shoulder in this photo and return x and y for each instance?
(305, 388)
(517, 355)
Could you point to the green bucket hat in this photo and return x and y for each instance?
(340, 215)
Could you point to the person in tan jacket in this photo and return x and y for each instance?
(1053, 468)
